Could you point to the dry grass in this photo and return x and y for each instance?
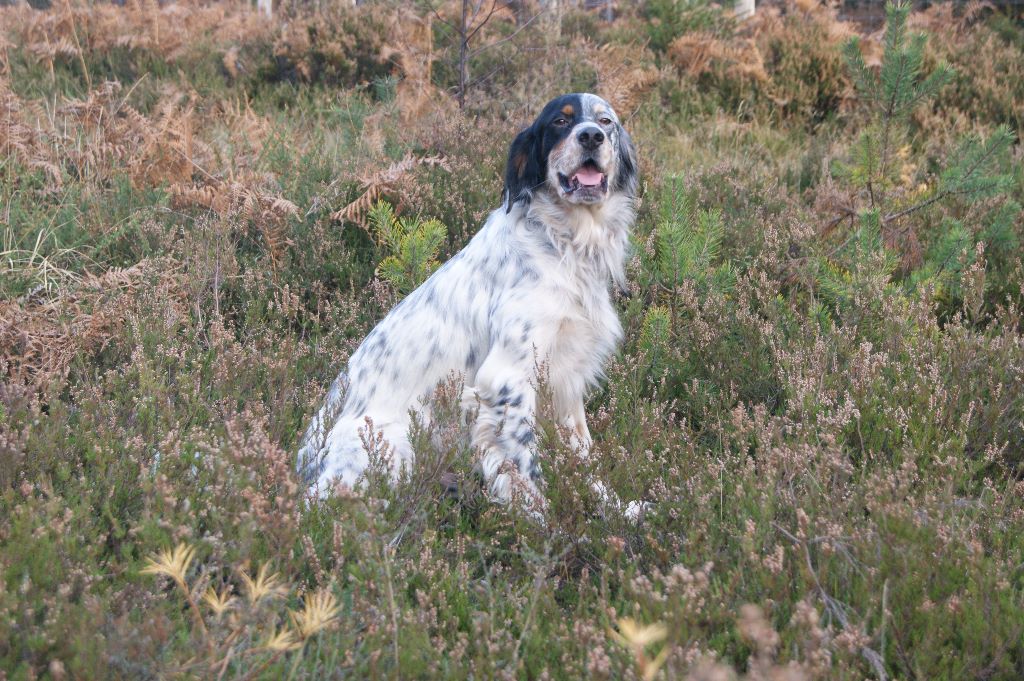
(833, 484)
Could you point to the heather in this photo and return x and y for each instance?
(820, 395)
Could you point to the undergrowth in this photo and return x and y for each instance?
(820, 392)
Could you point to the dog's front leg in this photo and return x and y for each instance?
(504, 432)
(575, 422)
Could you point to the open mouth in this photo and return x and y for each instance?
(588, 178)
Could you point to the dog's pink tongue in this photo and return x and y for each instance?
(589, 176)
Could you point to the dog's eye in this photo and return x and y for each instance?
(605, 121)
(560, 122)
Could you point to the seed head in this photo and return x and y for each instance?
(637, 638)
(320, 610)
(171, 562)
(282, 640)
(219, 602)
(633, 635)
(264, 585)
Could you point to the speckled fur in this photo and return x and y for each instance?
(532, 288)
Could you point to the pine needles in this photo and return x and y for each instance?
(879, 239)
(688, 242)
(411, 245)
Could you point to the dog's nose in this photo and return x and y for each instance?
(590, 137)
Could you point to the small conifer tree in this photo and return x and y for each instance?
(412, 246)
(688, 242)
(863, 264)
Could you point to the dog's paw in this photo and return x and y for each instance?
(636, 510)
(609, 500)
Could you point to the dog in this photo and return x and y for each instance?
(531, 289)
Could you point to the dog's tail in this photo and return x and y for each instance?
(310, 460)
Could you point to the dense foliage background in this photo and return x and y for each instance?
(820, 395)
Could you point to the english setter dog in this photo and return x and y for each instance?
(531, 289)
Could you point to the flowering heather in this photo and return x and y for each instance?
(820, 396)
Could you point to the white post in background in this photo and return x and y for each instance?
(265, 7)
(551, 20)
(744, 9)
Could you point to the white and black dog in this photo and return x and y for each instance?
(531, 289)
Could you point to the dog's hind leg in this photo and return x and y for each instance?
(356, 444)
(312, 448)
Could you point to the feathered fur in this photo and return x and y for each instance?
(532, 288)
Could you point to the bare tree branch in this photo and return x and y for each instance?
(510, 36)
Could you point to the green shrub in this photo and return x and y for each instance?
(874, 243)
(411, 247)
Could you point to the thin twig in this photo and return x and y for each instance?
(391, 601)
(538, 581)
(836, 608)
(510, 36)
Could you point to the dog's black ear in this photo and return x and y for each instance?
(524, 171)
(627, 178)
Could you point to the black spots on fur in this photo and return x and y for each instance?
(527, 328)
(358, 407)
(311, 465)
(507, 397)
(534, 469)
(431, 294)
(520, 270)
(471, 358)
(525, 437)
(549, 246)
(526, 462)
(491, 273)
(375, 344)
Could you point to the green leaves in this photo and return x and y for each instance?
(412, 246)
(889, 189)
(975, 164)
(688, 241)
(897, 88)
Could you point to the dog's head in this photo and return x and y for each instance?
(576, 149)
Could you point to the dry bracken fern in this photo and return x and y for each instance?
(40, 338)
(376, 184)
(624, 73)
(243, 199)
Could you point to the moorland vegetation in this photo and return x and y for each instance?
(820, 395)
